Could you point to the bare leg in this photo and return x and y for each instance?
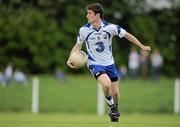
(111, 92)
(115, 91)
(114, 113)
(105, 81)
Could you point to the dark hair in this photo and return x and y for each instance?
(96, 8)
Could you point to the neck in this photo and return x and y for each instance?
(97, 24)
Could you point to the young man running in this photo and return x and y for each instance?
(98, 34)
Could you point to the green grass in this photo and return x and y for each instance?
(84, 120)
(81, 90)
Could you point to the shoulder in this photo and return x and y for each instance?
(85, 27)
(109, 25)
(105, 23)
(114, 26)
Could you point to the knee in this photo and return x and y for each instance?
(104, 81)
(115, 92)
(107, 84)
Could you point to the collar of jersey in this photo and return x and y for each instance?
(102, 25)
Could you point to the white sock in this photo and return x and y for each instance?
(110, 100)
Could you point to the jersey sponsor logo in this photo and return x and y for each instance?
(105, 36)
(92, 38)
(97, 33)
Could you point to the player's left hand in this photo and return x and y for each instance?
(146, 48)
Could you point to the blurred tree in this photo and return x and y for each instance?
(167, 38)
(37, 35)
(27, 39)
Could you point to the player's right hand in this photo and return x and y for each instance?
(71, 65)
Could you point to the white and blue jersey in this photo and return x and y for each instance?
(99, 42)
(99, 48)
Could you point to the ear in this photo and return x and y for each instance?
(98, 14)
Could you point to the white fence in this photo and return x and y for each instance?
(177, 96)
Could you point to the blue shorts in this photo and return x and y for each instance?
(110, 70)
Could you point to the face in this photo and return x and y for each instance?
(91, 16)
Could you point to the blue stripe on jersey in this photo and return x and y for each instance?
(110, 48)
(105, 23)
(87, 25)
(89, 35)
(90, 58)
(107, 33)
(118, 28)
(97, 30)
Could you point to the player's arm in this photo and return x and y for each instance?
(134, 40)
(77, 47)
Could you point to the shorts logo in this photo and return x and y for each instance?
(97, 73)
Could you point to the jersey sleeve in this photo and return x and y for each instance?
(117, 30)
(80, 37)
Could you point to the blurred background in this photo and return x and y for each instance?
(36, 37)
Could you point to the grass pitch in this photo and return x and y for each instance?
(87, 120)
(142, 96)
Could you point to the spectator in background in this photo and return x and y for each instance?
(133, 63)
(144, 64)
(8, 73)
(122, 72)
(3, 79)
(59, 74)
(20, 77)
(156, 63)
